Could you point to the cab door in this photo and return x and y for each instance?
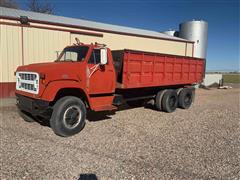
(100, 77)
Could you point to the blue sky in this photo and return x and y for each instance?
(159, 15)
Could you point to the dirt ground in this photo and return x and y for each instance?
(139, 143)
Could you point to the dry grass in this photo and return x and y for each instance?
(231, 78)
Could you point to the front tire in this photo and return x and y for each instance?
(68, 117)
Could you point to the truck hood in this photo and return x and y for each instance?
(45, 67)
(54, 70)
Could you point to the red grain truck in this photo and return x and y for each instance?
(92, 77)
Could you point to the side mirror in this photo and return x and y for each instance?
(103, 60)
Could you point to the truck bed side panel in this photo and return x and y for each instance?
(141, 69)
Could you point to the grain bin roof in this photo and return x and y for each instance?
(81, 23)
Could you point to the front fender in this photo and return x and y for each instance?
(53, 87)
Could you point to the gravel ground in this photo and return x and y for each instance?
(140, 143)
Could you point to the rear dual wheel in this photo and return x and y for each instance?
(185, 98)
(168, 100)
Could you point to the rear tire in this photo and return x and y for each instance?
(185, 98)
(158, 99)
(169, 101)
(179, 90)
(68, 117)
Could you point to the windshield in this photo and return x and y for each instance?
(74, 53)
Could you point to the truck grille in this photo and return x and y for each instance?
(28, 82)
(25, 76)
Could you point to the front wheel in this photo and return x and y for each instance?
(68, 117)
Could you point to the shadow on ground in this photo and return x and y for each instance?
(93, 116)
(87, 177)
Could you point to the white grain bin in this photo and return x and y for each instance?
(196, 31)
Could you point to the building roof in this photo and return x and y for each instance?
(15, 13)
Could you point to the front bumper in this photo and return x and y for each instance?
(35, 107)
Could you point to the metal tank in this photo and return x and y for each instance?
(171, 33)
(196, 31)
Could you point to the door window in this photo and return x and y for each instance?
(95, 57)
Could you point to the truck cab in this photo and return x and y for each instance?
(82, 72)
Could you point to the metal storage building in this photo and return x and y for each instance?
(39, 40)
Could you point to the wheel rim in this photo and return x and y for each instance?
(172, 102)
(72, 117)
